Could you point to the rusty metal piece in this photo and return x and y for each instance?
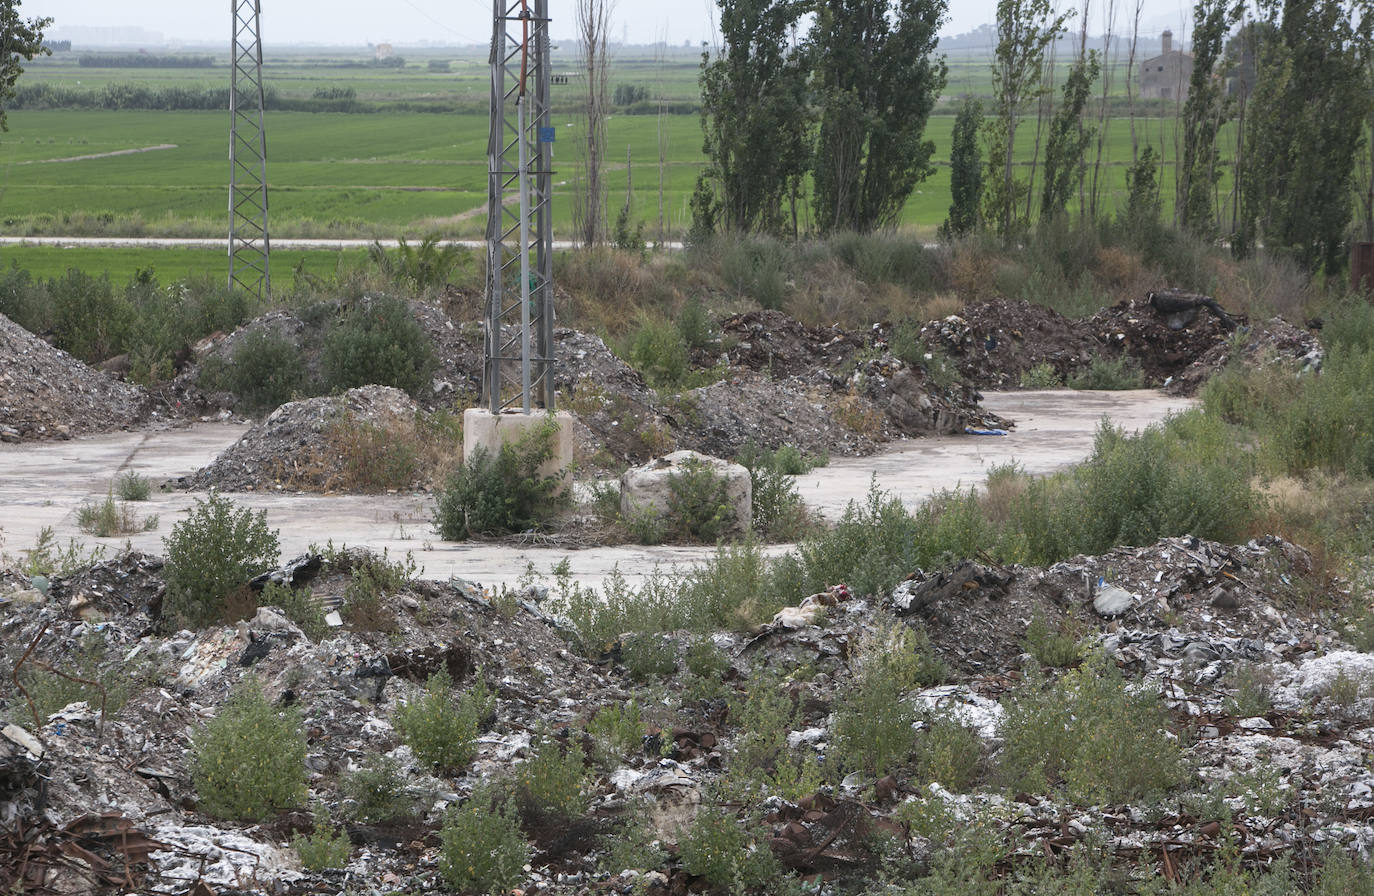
(14, 673)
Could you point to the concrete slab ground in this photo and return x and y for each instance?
(44, 484)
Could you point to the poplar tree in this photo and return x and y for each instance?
(20, 39)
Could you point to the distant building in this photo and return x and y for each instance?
(1166, 75)
(383, 51)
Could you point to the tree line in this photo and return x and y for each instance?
(823, 130)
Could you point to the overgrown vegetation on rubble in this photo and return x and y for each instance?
(249, 761)
(216, 549)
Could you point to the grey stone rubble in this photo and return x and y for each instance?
(1308, 747)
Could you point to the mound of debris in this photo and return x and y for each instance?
(45, 393)
(94, 801)
(1177, 339)
(995, 342)
(310, 445)
(774, 344)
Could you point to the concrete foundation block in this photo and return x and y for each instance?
(483, 429)
(645, 488)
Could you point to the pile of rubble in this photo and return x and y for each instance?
(997, 342)
(94, 801)
(301, 445)
(45, 393)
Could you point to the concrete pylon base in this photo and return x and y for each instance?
(483, 429)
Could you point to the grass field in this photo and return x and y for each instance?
(171, 264)
(384, 174)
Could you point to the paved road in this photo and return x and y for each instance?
(43, 484)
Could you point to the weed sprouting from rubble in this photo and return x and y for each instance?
(249, 762)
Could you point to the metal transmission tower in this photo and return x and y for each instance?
(519, 323)
(248, 244)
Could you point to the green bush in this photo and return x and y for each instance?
(264, 371)
(699, 507)
(695, 326)
(764, 712)
(375, 793)
(779, 514)
(873, 724)
(658, 351)
(217, 548)
(718, 849)
(1054, 648)
(755, 267)
(482, 849)
(493, 494)
(947, 753)
(89, 320)
(378, 341)
(299, 605)
(1090, 733)
(249, 761)
(552, 781)
(107, 518)
(617, 730)
(871, 548)
(424, 267)
(132, 487)
(443, 735)
(1109, 374)
(1041, 376)
(324, 848)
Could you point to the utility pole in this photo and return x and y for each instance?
(249, 247)
(519, 321)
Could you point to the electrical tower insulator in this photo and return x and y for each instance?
(249, 247)
(519, 321)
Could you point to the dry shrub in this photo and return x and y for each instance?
(857, 414)
(939, 306)
(370, 457)
(1117, 267)
(608, 286)
(973, 271)
(1263, 287)
(830, 293)
(1004, 485)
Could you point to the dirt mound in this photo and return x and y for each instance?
(775, 344)
(302, 445)
(1263, 343)
(45, 393)
(993, 343)
(722, 418)
(1134, 328)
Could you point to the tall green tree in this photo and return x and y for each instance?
(1069, 137)
(1303, 130)
(754, 117)
(965, 170)
(1202, 117)
(1025, 28)
(20, 39)
(877, 79)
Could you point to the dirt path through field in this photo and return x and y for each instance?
(44, 484)
(101, 155)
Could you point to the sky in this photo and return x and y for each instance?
(360, 22)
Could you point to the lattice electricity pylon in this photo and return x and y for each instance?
(519, 322)
(249, 247)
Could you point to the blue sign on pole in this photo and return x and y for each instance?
(546, 135)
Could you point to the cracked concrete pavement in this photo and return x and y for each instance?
(43, 484)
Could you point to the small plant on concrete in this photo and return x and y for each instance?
(375, 793)
(483, 850)
(324, 847)
(502, 492)
(778, 511)
(442, 734)
(108, 518)
(216, 549)
(249, 761)
(130, 486)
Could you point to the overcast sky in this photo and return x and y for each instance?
(358, 22)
